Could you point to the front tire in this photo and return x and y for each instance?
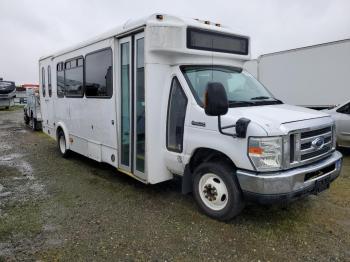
(216, 190)
(62, 145)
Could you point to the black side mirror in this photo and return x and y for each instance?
(215, 99)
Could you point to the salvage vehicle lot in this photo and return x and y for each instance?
(76, 209)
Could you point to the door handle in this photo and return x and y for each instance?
(195, 123)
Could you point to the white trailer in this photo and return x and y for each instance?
(314, 76)
(165, 96)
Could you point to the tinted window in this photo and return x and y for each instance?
(345, 109)
(176, 117)
(49, 80)
(217, 42)
(98, 74)
(73, 78)
(140, 105)
(60, 80)
(43, 81)
(125, 104)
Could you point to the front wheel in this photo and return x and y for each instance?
(216, 190)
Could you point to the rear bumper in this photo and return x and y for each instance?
(288, 185)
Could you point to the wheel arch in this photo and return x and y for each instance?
(62, 127)
(199, 156)
(204, 154)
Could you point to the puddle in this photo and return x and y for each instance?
(5, 194)
(23, 185)
(10, 157)
(15, 161)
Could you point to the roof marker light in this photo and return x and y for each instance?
(159, 17)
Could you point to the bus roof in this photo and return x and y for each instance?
(134, 25)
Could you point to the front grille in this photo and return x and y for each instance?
(315, 153)
(315, 132)
(310, 145)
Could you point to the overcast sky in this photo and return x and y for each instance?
(30, 29)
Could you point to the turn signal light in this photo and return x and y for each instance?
(255, 150)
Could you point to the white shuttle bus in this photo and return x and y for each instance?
(165, 96)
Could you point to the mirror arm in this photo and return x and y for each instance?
(221, 128)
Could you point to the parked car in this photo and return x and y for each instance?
(341, 115)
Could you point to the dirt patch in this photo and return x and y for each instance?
(76, 210)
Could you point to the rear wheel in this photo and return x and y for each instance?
(62, 145)
(216, 190)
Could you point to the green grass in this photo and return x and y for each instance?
(21, 219)
(12, 108)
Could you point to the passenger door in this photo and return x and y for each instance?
(131, 105)
(49, 102)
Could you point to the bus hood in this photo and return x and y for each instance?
(271, 117)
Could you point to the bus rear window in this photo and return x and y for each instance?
(218, 42)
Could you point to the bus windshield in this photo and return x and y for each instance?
(242, 88)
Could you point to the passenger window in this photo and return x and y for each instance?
(176, 117)
(49, 80)
(73, 78)
(60, 80)
(43, 81)
(98, 74)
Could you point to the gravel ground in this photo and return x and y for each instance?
(55, 209)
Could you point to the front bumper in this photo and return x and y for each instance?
(288, 185)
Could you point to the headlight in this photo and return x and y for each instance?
(266, 153)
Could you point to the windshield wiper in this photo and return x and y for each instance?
(240, 103)
(264, 98)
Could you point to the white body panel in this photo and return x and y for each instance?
(315, 76)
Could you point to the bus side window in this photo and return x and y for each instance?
(49, 80)
(73, 78)
(99, 74)
(60, 80)
(43, 81)
(176, 117)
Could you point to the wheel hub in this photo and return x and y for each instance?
(213, 191)
(210, 192)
